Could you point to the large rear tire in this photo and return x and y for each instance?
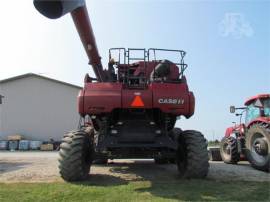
(174, 134)
(192, 155)
(229, 150)
(258, 146)
(76, 155)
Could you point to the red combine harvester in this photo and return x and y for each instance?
(130, 109)
(252, 139)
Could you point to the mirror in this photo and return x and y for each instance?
(232, 109)
(258, 103)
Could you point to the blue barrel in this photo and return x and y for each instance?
(24, 145)
(35, 145)
(3, 145)
(13, 145)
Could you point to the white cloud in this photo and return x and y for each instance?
(235, 25)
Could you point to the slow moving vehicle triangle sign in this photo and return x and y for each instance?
(137, 102)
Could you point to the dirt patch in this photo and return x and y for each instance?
(43, 167)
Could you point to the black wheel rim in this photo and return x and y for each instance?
(257, 152)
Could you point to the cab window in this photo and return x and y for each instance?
(252, 113)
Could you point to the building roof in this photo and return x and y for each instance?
(37, 76)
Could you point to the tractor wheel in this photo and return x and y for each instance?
(258, 146)
(174, 133)
(229, 150)
(192, 155)
(75, 155)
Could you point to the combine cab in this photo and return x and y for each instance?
(252, 139)
(129, 110)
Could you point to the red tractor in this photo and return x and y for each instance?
(252, 139)
(130, 109)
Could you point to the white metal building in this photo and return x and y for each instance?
(37, 107)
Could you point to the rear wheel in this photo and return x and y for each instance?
(174, 133)
(76, 155)
(192, 155)
(229, 150)
(258, 146)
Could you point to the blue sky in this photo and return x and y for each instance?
(227, 44)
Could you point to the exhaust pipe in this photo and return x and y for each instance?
(54, 9)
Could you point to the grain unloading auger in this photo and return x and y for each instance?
(130, 109)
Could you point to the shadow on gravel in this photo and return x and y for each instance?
(6, 167)
(101, 180)
(139, 171)
(163, 181)
(147, 171)
(166, 183)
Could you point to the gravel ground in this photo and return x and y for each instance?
(42, 167)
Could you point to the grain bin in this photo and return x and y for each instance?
(24, 145)
(35, 145)
(3, 145)
(13, 145)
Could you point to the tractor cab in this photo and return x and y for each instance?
(256, 107)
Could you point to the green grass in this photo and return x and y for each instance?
(118, 190)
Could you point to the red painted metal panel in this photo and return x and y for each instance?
(259, 120)
(172, 98)
(80, 103)
(102, 97)
(191, 105)
(240, 128)
(97, 98)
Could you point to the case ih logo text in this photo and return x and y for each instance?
(171, 101)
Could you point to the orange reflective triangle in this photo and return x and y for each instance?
(137, 102)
